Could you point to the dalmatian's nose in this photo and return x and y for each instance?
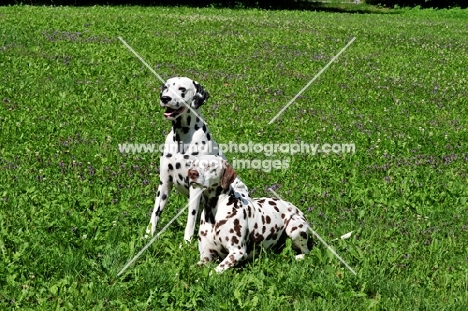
(165, 99)
(193, 174)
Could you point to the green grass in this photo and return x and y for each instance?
(73, 209)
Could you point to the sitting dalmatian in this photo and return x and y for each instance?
(232, 225)
(182, 98)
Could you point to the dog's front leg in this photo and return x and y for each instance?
(231, 260)
(194, 204)
(164, 190)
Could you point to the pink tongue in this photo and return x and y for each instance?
(169, 111)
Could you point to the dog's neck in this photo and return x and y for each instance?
(186, 125)
(214, 197)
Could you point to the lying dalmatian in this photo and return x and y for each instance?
(232, 225)
(182, 98)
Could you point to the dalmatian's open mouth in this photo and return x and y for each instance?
(195, 184)
(172, 113)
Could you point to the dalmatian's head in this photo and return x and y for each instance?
(178, 93)
(211, 171)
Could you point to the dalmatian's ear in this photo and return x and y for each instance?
(229, 174)
(200, 97)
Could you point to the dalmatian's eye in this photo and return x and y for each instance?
(182, 89)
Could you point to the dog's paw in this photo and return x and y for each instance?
(148, 233)
(300, 257)
(201, 263)
(218, 270)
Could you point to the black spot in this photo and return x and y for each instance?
(256, 238)
(189, 118)
(171, 179)
(208, 136)
(220, 223)
(204, 128)
(196, 127)
(176, 123)
(195, 153)
(185, 129)
(186, 156)
(234, 212)
(177, 165)
(237, 227)
(197, 120)
(164, 197)
(273, 237)
(157, 195)
(170, 167)
(168, 155)
(268, 219)
(181, 177)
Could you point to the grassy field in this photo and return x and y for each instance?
(73, 209)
